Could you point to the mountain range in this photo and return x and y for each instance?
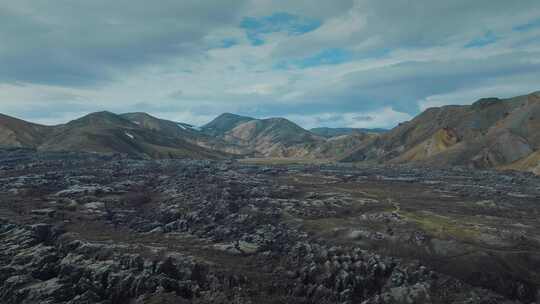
(104, 132)
(490, 133)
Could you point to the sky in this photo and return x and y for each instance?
(342, 63)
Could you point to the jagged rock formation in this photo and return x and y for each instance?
(120, 230)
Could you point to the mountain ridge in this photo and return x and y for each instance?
(105, 132)
(488, 133)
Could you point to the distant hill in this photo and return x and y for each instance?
(333, 132)
(19, 133)
(274, 137)
(224, 123)
(142, 135)
(102, 132)
(337, 147)
(185, 132)
(279, 137)
(168, 127)
(489, 133)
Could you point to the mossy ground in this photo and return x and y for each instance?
(441, 226)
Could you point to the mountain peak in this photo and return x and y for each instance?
(485, 102)
(228, 115)
(99, 120)
(277, 120)
(100, 113)
(137, 114)
(224, 123)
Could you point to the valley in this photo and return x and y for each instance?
(269, 152)
(131, 208)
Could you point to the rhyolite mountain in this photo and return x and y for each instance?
(336, 147)
(271, 137)
(490, 133)
(224, 123)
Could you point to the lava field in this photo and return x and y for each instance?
(90, 228)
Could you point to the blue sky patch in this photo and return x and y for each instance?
(329, 56)
(228, 42)
(256, 28)
(325, 57)
(487, 39)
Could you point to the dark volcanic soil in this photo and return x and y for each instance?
(86, 228)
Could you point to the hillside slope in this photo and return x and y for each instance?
(274, 137)
(19, 133)
(110, 133)
(530, 163)
(224, 123)
(184, 132)
(339, 146)
(491, 132)
(101, 132)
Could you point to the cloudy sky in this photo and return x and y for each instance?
(357, 63)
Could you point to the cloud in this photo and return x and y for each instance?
(370, 25)
(379, 118)
(502, 88)
(322, 64)
(364, 118)
(178, 94)
(533, 24)
(402, 85)
(86, 43)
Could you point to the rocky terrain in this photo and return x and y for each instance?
(93, 228)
